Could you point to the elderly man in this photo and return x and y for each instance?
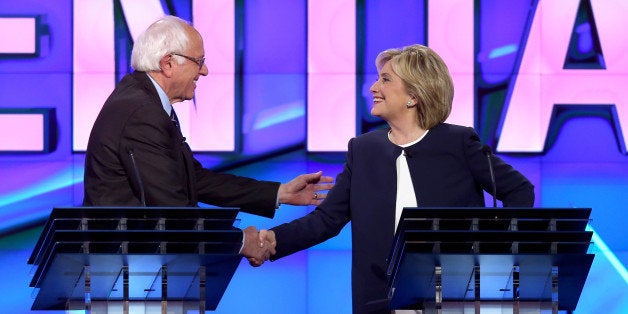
(136, 155)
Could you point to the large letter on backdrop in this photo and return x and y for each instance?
(542, 81)
(18, 36)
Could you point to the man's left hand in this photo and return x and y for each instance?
(305, 189)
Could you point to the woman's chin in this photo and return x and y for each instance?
(375, 113)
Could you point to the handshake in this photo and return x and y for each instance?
(259, 246)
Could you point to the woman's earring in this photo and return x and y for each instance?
(409, 104)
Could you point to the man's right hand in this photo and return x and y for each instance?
(256, 249)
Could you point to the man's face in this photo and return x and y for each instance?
(185, 75)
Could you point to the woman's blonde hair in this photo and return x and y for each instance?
(426, 78)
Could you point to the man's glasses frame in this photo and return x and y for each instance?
(199, 61)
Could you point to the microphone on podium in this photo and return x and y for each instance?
(488, 152)
(136, 174)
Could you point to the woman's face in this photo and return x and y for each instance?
(390, 97)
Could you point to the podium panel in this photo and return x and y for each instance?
(91, 255)
(489, 255)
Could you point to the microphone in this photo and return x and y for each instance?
(487, 151)
(136, 173)
(406, 154)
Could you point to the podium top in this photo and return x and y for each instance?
(133, 218)
(135, 253)
(496, 212)
(526, 243)
(143, 212)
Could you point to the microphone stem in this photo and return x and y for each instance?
(490, 169)
(138, 178)
(487, 151)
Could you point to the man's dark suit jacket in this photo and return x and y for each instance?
(135, 148)
(448, 169)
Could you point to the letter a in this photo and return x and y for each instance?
(542, 81)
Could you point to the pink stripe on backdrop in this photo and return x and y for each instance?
(451, 35)
(331, 112)
(94, 65)
(212, 121)
(21, 132)
(18, 35)
(331, 99)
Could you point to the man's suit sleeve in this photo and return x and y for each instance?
(226, 190)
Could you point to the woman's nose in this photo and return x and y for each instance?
(373, 87)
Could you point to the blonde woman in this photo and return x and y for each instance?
(418, 161)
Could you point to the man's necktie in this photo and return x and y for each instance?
(174, 119)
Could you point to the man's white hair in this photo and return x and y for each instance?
(166, 35)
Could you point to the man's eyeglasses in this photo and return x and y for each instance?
(198, 61)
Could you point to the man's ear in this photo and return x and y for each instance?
(166, 65)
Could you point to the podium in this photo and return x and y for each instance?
(98, 259)
(470, 257)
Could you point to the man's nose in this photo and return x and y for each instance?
(204, 70)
